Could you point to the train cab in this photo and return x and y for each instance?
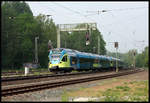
(59, 60)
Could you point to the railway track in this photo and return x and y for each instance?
(30, 79)
(16, 73)
(39, 86)
(6, 79)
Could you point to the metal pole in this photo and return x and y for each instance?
(116, 62)
(98, 44)
(36, 50)
(58, 37)
(134, 59)
(94, 49)
(65, 44)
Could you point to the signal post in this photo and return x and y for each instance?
(116, 46)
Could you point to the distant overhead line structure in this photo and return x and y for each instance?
(74, 27)
(77, 26)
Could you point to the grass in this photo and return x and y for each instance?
(123, 88)
(136, 91)
(64, 97)
(128, 91)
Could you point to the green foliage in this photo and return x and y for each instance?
(141, 59)
(19, 29)
(124, 88)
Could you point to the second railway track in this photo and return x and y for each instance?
(39, 86)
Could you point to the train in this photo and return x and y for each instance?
(67, 60)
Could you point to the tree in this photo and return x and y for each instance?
(13, 31)
(19, 29)
(142, 58)
(46, 31)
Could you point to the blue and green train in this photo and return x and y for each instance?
(66, 60)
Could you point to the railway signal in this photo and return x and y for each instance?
(50, 45)
(116, 46)
(87, 38)
(11, 17)
(134, 53)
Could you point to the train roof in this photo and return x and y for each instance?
(74, 53)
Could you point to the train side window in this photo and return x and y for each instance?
(64, 59)
(86, 60)
(74, 60)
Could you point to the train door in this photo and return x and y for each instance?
(73, 62)
(65, 61)
(111, 63)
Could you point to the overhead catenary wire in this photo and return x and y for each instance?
(128, 9)
(133, 18)
(124, 9)
(56, 4)
(125, 26)
(119, 23)
(69, 9)
(118, 34)
(113, 23)
(74, 11)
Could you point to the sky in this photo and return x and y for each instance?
(123, 22)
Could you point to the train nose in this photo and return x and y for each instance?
(54, 68)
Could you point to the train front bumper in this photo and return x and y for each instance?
(56, 68)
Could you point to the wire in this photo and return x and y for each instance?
(99, 11)
(69, 9)
(115, 32)
(118, 35)
(126, 26)
(64, 8)
(109, 29)
(133, 18)
(127, 9)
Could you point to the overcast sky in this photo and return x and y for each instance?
(124, 22)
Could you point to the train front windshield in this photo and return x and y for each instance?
(55, 57)
(55, 54)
